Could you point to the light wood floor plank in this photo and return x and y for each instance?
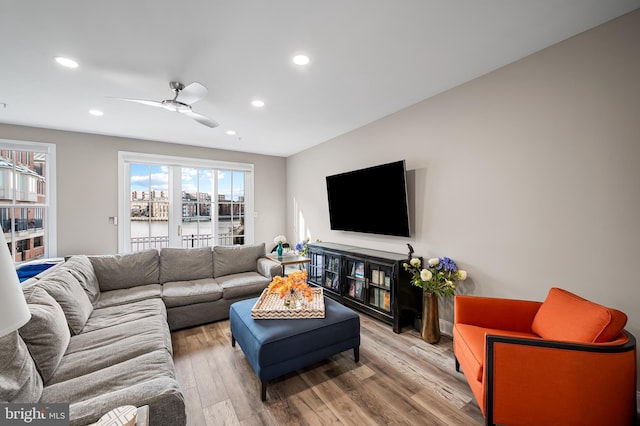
(400, 380)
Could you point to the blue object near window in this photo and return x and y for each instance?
(31, 270)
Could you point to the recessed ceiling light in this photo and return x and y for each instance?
(96, 112)
(301, 59)
(231, 132)
(66, 62)
(257, 103)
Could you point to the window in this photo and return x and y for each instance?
(231, 206)
(183, 202)
(27, 213)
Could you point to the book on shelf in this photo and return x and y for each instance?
(375, 298)
(358, 289)
(359, 270)
(375, 276)
(352, 289)
(386, 304)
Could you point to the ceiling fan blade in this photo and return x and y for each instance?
(201, 119)
(192, 93)
(141, 101)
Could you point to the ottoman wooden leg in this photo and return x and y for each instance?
(356, 353)
(263, 391)
(233, 341)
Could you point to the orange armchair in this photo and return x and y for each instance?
(567, 361)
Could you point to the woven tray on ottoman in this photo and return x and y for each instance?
(271, 306)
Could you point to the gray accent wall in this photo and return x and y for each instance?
(528, 177)
(87, 185)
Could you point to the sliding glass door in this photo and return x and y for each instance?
(184, 204)
(148, 220)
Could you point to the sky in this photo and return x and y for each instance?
(144, 176)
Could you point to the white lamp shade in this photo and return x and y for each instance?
(14, 312)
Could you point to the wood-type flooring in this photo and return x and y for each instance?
(400, 380)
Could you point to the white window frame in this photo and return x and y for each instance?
(50, 221)
(125, 158)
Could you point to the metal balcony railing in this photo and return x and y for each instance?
(22, 225)
(188, 241)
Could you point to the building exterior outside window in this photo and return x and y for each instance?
(24, 203)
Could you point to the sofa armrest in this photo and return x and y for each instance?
(552, 382)
(268, 268)
(491, 312)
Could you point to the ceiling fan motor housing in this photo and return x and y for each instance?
(176, 86)
(173, 105)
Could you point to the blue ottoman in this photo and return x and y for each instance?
(275, 347)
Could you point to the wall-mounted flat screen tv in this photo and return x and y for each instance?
(371, 200)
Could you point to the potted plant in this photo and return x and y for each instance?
(436, 279)
(279, 240)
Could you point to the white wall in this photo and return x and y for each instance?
(527, 177)
(87, 185)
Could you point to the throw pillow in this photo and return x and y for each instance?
(567, 317)
(47, 333)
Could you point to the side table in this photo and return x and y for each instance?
(288, 259)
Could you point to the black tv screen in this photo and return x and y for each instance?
(371, 200)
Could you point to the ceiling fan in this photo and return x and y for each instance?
(183, 98)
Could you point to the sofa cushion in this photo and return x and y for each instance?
(112, 345)
(129, 295)
(80, 267)
(148, 379)
(178, 264)
(47, 333)
(110, 316)
(243, 285)
(127, 270)
(73, 300)
(19, 378)
(567, 317)
(181, 293)
(229, 260)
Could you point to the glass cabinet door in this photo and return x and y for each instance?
(379, 286)
(355, 280)
(315, 268)
(332, 272)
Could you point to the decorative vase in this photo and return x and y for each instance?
(279, 249)
(430, 319)
(292, 300)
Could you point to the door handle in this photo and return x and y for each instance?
(179, 230)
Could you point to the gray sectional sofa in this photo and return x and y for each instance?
(99, 336)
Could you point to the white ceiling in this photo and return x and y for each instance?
(369, 58)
